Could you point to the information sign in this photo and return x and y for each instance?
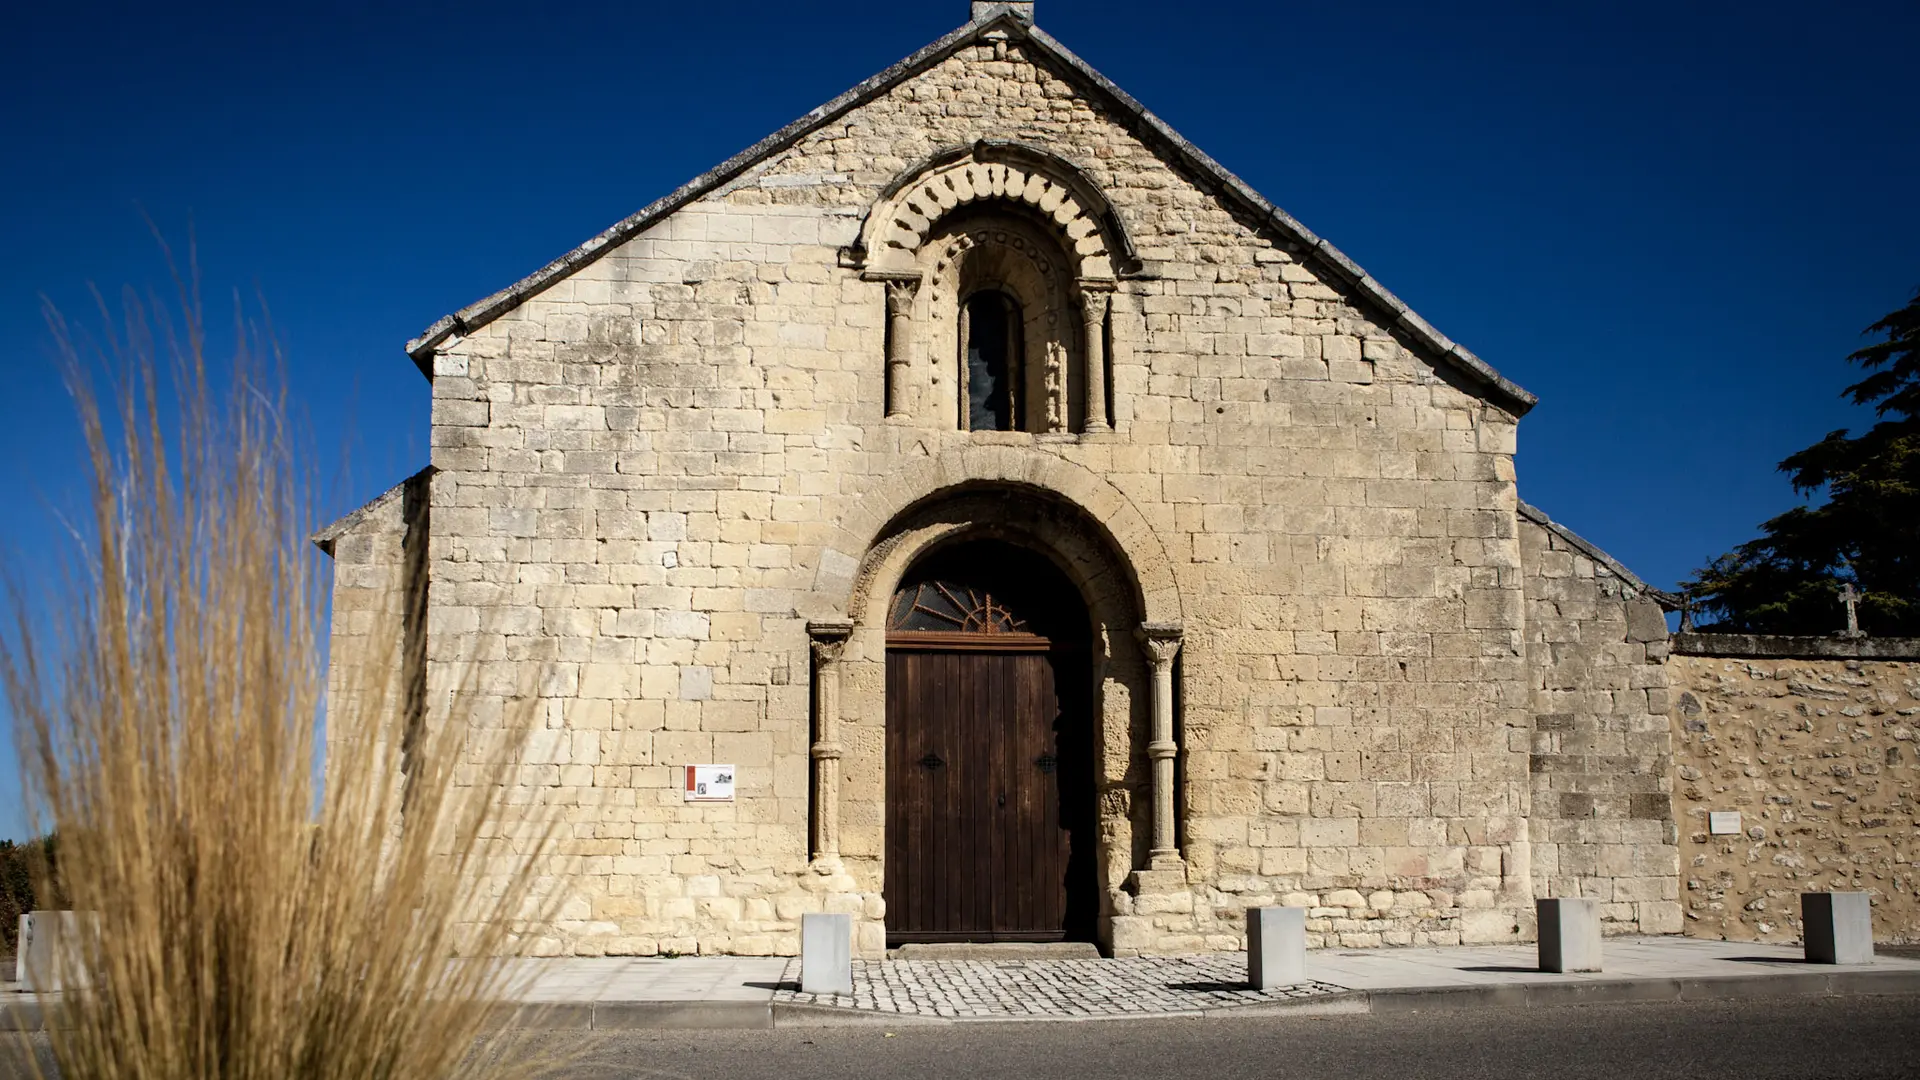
(709, 783)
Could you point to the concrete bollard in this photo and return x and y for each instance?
(1276, 947)
(826, 954)
(1569, 934)
(1839, 927)
(52, 950)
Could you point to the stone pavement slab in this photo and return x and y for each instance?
(1352, 980)
(759, 992)
(691, 978)
(609, 993)
(1050, 989)
(1623, 958)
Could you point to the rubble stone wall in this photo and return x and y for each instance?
(1821, 759)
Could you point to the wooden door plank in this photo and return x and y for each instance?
(898, 874)
(952, 856)
(946, 780)
(894, 873)
(962, 865)
(984, 723)
(928, 784)
(1004, 887)
(918, 743)
(1017, 823)
(969, 875)
(1035, 886)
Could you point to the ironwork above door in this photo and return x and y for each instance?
(953, 608)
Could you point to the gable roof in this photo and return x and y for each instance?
(327, 536)
(1667, 601)
(1150, 128)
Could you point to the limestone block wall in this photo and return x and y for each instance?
(1602, 820)
(1818, 756)
(377, 644)
(653, 473)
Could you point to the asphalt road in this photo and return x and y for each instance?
(1827, 1038)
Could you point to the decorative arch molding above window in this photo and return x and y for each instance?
(999, 263)
(910, 207)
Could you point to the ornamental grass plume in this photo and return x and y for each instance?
(253, 915)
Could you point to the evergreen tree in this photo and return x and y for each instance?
(20, 864)
(1788, 580)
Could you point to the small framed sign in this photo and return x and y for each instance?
(709, 783)
(1723, 822)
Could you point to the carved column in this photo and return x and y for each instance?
(829, 640)
(901, 291)
(1095, 298)
(1161, 641)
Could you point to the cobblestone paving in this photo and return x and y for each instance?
(1009, 989)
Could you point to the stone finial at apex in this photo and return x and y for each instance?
(983, 8)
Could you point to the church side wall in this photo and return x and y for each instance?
(656, 472)
(1821, 760)
(376, 650)
(1602, 821)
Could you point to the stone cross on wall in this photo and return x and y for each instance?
(1849, 597)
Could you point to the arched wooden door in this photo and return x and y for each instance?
(989, 762)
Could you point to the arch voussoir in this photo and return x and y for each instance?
(1136, 551)
(899, 226)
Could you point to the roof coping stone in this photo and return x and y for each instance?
(1667, 600)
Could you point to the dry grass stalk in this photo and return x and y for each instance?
(255, 920)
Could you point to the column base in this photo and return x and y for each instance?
(1154, 916)
(1158, 880)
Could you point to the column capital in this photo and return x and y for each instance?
(900, 294)
(1161, 641)
(901, 287)
(1093, 304)
(829, 637)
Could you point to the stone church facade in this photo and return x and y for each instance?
(1060, 541)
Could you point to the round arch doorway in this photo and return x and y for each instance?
(990, 809)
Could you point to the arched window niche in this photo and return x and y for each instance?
(993, 344)
(999, 264)
(1007, 352)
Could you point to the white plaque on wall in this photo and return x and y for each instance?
(709, 783)
(1723, 822)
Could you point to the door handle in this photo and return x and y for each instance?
(1003, 799)
(932, 761)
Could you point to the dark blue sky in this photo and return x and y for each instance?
(1670, 221)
